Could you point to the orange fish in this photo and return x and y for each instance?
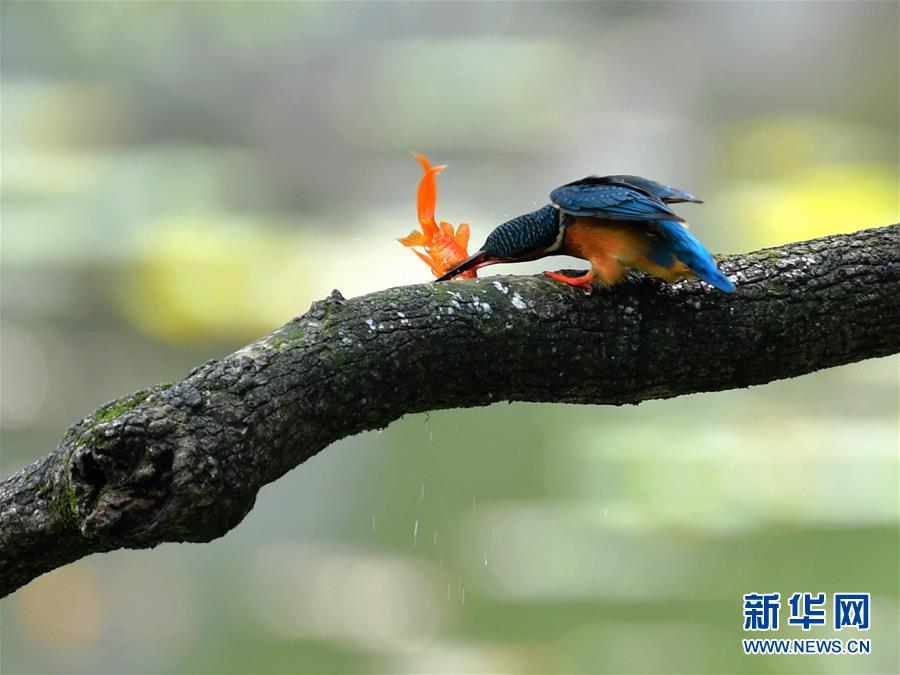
(444, 249)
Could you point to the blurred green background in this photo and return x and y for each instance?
(180, 178)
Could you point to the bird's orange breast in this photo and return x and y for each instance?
(589, 238)
(613, 246)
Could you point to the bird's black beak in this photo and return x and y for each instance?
(478, 259)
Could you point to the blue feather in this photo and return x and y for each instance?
(664, 193)
(688, 249)
(611, 201)
(662, 256)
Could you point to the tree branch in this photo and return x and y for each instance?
(183, 462)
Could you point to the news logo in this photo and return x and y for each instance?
(762, 612)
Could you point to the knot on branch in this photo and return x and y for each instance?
(151, 460)
(320, 308)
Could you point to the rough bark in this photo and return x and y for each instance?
(184, 461)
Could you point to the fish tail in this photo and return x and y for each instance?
(414, 238)
(426, 198)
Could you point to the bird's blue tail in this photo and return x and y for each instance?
(688, 249)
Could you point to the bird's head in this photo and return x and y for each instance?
(527, 237)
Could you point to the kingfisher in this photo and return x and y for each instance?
(613, 222)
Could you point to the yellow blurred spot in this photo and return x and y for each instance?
(796, 177)
(61, 608)
(59, 115)
(776, 147)
(202, 277)
(819, 201)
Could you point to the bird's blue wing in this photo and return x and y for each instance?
(596, 198)
(664, 193)
(613, 201)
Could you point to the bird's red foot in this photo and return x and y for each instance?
(584, 281)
